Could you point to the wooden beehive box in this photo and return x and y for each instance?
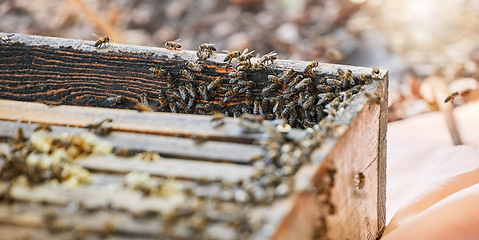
(240, 177)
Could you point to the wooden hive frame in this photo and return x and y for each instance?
(337, 190)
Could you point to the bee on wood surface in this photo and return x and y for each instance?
(249, 85)
(263, 107)
(188, 75)
(173, 45)
(231, 55)
(183, 94)
(310, 67)
(162, 98)
(193, 66)
(269, 88)
(170, 81)
(101, 41)
(288, 75)
(214, 84)
(191, 90)
(207, 47)
(202, 55)
(249, 97)
(144, 104)
(160, 72)
(324, 88)
(256, 106)
(246, 56)
(275, 79)
(243, 65)
(308, 103)
(204, 92)
(101, 128)
(451, 97)
(303, 84)
(268, 57)
(324, 97)
(237, 75)
(115, 99)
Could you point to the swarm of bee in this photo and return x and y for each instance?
(300, 98)
(46, 157)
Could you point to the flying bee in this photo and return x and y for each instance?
(269, 88)
(237, 75)
(207, 47)
(101, 41)
(187, 74)
(275, 79)
(183, 94)
(249, 97)
(303, 84)
(160, 72)
(162, 98)
(191, 90)
(218, 119)
(268, 57)
(214, 84)
(246, 56)
(451, 97)
(231, 55)
(170, 81)
(193, 66)
(310, 67)
(173, 45)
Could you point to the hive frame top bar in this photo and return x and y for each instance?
(89, 46)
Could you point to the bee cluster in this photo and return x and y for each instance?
(299, 97)
(48, 158)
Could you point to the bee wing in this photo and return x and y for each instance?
(95, 35)
(177, 40)
(244, 51)
(226, 51)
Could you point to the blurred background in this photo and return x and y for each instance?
(414, 39)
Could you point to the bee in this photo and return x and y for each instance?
(308, 103)
(191, 102)
(249, 97)
(288, 109)
(218, 120)
(288, 75)
(268, 57)
(246, 56)
(375, 71)
(333, 82)
(256, 106)
(101, 128)
(310, 67)
(232, 92)
(275, 79)
(188, 75)
(249, 86)
(172, 106)
(243, 65)
(451, 97)
(115, 99)
(207, 47)
(193, 66)
(278, 102)
(263, 107)
(377, 99)
(183, 94)
(101, 41)
(162, 98)
(204, 107)
(231, 55)
(202, 55)
(173, 45)
(214, 84)
(237, 75)
(269, 88)
(324, 88)
(170, 81)
(303, 84)
(143, 105)
(160, 72)
(324, 97)
(143, 99)
(204, 93)
(191, 90)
